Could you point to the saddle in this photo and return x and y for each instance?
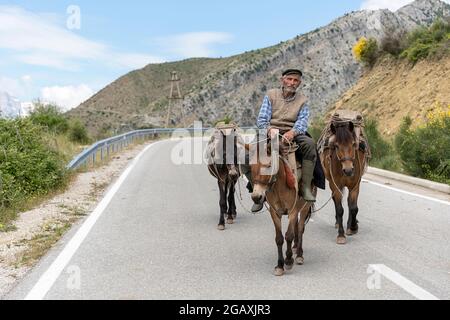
(292, 166)
(343, 117)
(221, 131)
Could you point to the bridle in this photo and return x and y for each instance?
(216, 173)
(355, 155)
(273, 180)
(352, 159)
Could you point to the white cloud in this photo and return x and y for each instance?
(37, 40)
(15, 87)
(66, 97)
(26, 78)
(194, 44)
(392, 5)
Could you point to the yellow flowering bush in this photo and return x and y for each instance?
(438, 114)
(359, 47)
(366, 50)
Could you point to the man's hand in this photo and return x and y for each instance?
(289, 136)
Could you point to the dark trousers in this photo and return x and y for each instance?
(307, 148)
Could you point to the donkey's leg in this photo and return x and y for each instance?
(223, 204)
(290, 236)
(231, 203)
(279, 240)
(294, 248)
(352, 225)
(337, 198)
(301, 230)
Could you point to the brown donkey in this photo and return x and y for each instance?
(344, 159)
(274, 181)
(223, 155)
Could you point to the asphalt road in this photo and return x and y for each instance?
(157, 239)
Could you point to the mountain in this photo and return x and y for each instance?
(10, 107)
(235, 86)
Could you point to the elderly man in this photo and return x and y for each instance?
(287, 110)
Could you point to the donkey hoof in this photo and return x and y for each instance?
(300, 261)
(230, 221)
(278, 272)
(289, 267)
(220, 227)
(341, 240)
(351, 232)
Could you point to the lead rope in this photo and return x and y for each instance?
(360, 172)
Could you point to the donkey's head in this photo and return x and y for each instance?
(229, 150)
(343, 143)
(264, 160)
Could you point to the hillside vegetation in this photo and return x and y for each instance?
(404, 94)
(409, 83)
(34, 153)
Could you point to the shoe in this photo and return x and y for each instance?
(257, 207)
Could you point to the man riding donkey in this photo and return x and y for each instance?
(286, 110)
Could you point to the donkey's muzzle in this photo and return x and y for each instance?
(349, 172)
(257, 198)
(233, 173)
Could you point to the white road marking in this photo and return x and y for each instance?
(47, 280)
(408, 193)
(403, 283)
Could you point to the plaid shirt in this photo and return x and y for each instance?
(265, 115)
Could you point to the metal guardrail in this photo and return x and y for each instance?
(103, 149)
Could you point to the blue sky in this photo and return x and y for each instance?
(65, 51)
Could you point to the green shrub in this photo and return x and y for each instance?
(28, 166)
(316, 128)
(49, 116)
(424, 151)
(424, 42)
(78, 132)
(380, 148)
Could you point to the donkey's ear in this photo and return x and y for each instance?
(333, 128)
(351, 126)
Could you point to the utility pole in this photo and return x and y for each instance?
(174, 81)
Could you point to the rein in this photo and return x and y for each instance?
(352, 159)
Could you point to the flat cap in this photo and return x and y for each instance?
(292, 71)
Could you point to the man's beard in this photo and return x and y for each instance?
(287, 89)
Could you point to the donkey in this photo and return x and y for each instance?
(344, 161)
(222, 165)
(273, 180)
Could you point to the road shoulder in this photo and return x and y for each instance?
(37, 230)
